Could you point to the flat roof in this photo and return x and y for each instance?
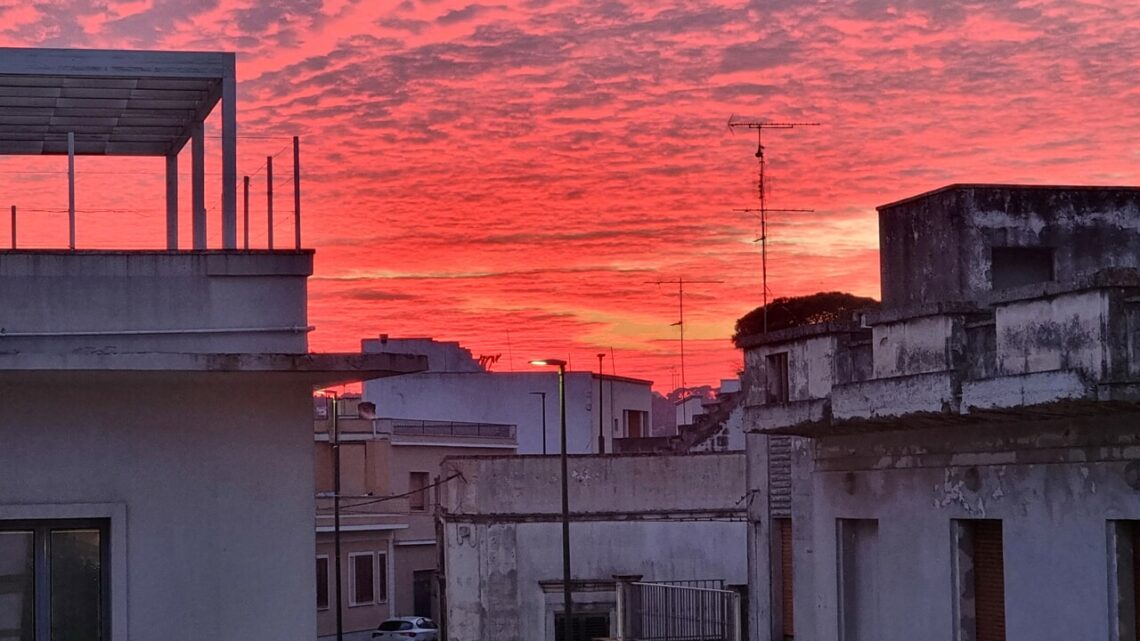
(960, 186)
(117, 103)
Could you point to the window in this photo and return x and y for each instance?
(636, 423)
(54, 580)
(583, 627)
(979, 575)
(858, 579)
(417, 500)
(777, 378)
(322, 582)
(1017, 266)
(368, 578)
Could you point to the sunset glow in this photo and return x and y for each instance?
(519, 178)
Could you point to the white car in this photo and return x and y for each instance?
(407, 629)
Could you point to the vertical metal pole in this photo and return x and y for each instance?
(543, 416)
(336, 519)
(269, 195)
(601, 411)
(13, 226)
(229, 158)
(567, 600)
(245, 209)
(71, 190)
(297, 191)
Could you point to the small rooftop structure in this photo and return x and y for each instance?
(125, 103)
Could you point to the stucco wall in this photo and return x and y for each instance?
(215, 477)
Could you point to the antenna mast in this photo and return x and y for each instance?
(680, 282)
(761, 188)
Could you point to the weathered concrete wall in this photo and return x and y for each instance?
(1055, 503)
(213, 475)
(1058, 332)
(503, 535)
(604, 484)
(936, 247)
(494, 570)
(202, 302)
(811, 367)
(916, 345)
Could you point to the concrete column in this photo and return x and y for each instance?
(172, 201)
(71, 190)
(198, 182)
(229, 162)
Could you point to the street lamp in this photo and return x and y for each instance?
(567, 603)
(543, 395)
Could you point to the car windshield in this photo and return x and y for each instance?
(393, 626)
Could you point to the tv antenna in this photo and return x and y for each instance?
(761, 189)
(680, 282)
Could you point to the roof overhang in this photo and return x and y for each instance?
(117, 103)
(317, 369)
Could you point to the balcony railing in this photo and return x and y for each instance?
(403, 427)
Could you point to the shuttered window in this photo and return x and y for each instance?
(787, 622)
(989, 579)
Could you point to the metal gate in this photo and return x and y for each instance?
(678, 611)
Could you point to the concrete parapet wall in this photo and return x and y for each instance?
(933, 392)
(212, 302)
(530, 485)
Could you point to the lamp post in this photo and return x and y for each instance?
(334, 440)
(567, 602)
(543, 395)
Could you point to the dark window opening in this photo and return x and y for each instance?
(777, 378)
(1017, 266)
(322, 582)
(981, 580)
(583, 627)
(637, 423)
(54, 578)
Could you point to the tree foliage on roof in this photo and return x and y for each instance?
(795, 311)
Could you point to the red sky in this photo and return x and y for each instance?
(514, 176)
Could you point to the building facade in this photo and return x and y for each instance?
(654, 519)
(390, 483)
(962, 463)
(156, 466)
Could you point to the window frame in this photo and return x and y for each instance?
(777, 378)
(352, 600)
(379, 578)
(42, 530)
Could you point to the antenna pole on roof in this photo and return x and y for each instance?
(680, 282)
(761, 188)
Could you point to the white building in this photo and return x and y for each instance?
(456, 389)
(156, 465)
(647, 519)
